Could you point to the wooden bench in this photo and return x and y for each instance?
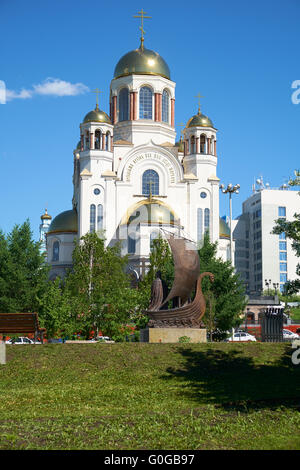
(18, 323)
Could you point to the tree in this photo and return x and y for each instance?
(161, 259)
(100, 288)
(56, 310)
(23, 272)
(227, 288)
(292, 232)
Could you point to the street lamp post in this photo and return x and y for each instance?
(230, 190)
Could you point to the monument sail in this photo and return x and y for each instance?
(187, 268)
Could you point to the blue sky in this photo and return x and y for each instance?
(242, 56)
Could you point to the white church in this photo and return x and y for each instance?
(131, 178)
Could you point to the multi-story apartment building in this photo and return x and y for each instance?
(262, 258)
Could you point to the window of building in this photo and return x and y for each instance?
(206, 220)
(150, 183)
(283, 267)
(282, 236)
(107, 141)
(202, 144)
(124, 105)
(99, 217)
(193, 147)
(283, 277)
(145, 103)
(199, 224)
(282, 246)
(131, 244)
(281, 211)
(283, 256)
(55, 251)
(165, 106)
(92, 218)
(97, 139)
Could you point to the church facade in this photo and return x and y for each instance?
(131, 179)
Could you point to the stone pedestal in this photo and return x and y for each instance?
(2, 353)
(172, 335)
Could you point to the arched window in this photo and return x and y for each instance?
(100, 217)
(193, 149)
(145, 103)
(97, 139)
(150, 183)
(212, 145)
(124, 105)
(165, 106)
(92, 218)
(206, 220)
(107, 141)
(87, 141)
(202, 144)
(199, 224)
(55, 251)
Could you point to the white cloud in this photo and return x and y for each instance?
(57, 87)
(23, 94)
(50, 87)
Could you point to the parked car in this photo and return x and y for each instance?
(241, 336)
(287, 334)
(102, 339)
(22, 340)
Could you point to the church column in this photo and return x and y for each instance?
(208, 146)
(111, 143)
(114, 109)
(92, 141)
(103, 141)
(197, 145)
(155, 106)
(131, 110)
(215, 148)
(135, 105)
(173, 112)
(159, 107)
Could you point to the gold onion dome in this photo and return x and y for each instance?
(142, 61)
(199, 120)
(64, 222)
(97, 116)
(224, 230)
(46, 216)
(153, 212)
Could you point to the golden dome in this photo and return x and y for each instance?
(142, 62)
(97, 116)
(152, 212)
(46, 216)
(64, 222)
(224, 229)
(199, 120)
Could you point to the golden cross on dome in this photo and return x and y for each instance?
(97, 91)
(141, 14)
(199, 96)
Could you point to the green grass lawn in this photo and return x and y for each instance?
(147, 396)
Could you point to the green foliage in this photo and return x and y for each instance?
(292, 231)
(100, 288)
(161, 259)
(55, 310)
(184, 339)
(23, 272)
(227, 288)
